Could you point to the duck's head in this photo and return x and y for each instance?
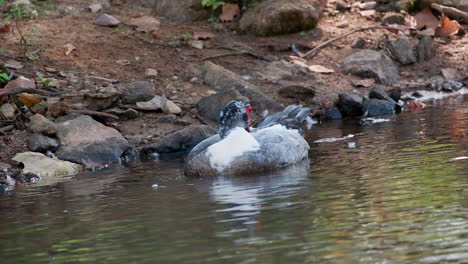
(237, 113)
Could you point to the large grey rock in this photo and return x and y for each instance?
(44, 166)
(402, 51)
(370, 63)
(222, 79)
(139, 91)
(376, 107)
(350, 104)
(40, 124)
(275, 17)
(83, 139)
(425, 49)
(179, 141)
(210, 106)
(40, 143)
(299, 92)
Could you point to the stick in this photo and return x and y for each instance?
(7, 128)
(451, 11)
(37, 91)
(95, 113)
(316, 49)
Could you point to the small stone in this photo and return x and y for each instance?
(402, 50)
(51, 70)
(40, 108)
(150, 73)
(139, 91)
(40, 124)
(95, 7)
(172, 108)
(12, 64)
(194, 79)
(106, 20)
(198, 44)
(40, 143)
(7, 111)
(334, 114)
(425, 49)
(343, 24)
(123, 114)
(359, 43)
(393, 18)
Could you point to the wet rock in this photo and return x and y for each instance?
(350, 104)
(8, 111)
(83, 139)
(376, 107)
(222, 79)
(106, 20)
(44, 166)
(123, 113)
(393, 18)
(402, 50)
(284, 71)
(40, 143)
(184, 10)
(173, 120)
(171, 108)
(370, 63)
(395, 94)
(425, 49)
(274, 17)
(151, 73)
(450, 86)
(180, 141)
(299, 92)
(379, 93)
(40, 124)
(139, 91)
(210, 106)
(333, 114)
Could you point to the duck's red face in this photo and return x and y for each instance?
(248, 109)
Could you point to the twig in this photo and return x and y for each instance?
(316, 49)
(451, 11)
(7, 128)
(94, 113)
(37, 91)
(224, 55)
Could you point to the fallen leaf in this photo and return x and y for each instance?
(414, 105)
(202, 35)
(300, 63)
(69, 48)
(366, 83)
(145, 24)
(425, 19)
(367, 13)
(447, 27)
(229, 12)
(27, 99)
(320, 69)
(106, 20)
(12, 64)
(450, 73)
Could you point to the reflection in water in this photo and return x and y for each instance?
(397, 196)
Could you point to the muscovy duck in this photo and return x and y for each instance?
(239, 149)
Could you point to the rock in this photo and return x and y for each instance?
(425, 49)
(209, 107)
(173, 120)
(180, 141)
(284, 71)
(172, 108)
(12, 64)
(4, 166)
(20, 82)
(350, 104)
(151, 73)
(40, 143)
(83, 139)
(341, 5)
(393, 18)
(402, 51)
(57, 109)
(333, 114)
(299, 92)
(395, 94)
(44, 166)
(139, 91)
(184, 10)
(123, 113)
(7, 111)
(222, 79)
(274, 17)
(342, 24)
(379, 93)
(376, 107)
(40, 124)
(106, 20)
(158, 102)
(95, 7)
(359, 43)
(370, 63)
(103, 98)
(198, 44)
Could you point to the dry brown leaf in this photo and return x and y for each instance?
(426, 19)
(229, 12)
(202, 35)
(27, 99)
(69, 48)
(145, 24)
(320, 69)
(366, 83)
(447, 27)
(414, 105)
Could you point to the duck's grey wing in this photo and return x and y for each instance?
(196, 162)
(293, 116)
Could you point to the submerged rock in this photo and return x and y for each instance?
(83, 139)
(44, 166)
(333, 114)
(376, 107)
(371, 64)
(275, 17)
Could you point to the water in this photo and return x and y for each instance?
(390, 194)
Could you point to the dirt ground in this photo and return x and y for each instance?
(99, 48)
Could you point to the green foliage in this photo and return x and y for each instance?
(185, 39)
(214, 4)
(41, 80)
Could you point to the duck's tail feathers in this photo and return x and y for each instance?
(293, 117)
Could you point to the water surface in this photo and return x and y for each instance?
(394, 195)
